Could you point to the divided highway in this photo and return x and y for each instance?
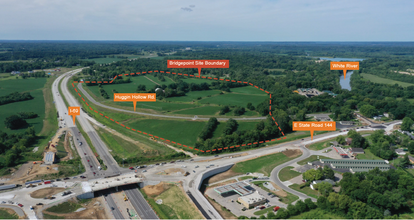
(139, 203)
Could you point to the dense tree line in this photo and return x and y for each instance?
(27, 115)
(208, 129)
(15, 97)
(13, 147)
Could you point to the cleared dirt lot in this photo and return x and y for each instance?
(42, 193)
(156, 189)
(94, 210)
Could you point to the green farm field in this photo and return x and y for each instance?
(193, 103)
(36, 105)
(235, 99)
(377, 79)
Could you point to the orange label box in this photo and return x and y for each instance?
(74, 111)
(314, 126)
(344, 66)
(198, 64)
(135, 97)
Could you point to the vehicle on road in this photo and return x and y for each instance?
(66, 178)
(85, 153)
(39, 203)
(94, 173)
(83, 177)
(112, 208)
(88, 160)
(144, 171)
(197, 166)
(19, 204)
(131, 168)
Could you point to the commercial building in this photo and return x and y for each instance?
(252, 200)
(242, 188)
(400, 152)
(356, 150)
(357, 165)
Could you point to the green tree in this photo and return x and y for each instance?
(368, 110)
(328, 173)
(411, 147)
(407, 123)
(311, 175)
(324, 188)
(15, 122)
(301, 206)
(310, 205)
(340, 139)
(405, 161)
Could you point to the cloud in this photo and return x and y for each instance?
(214, 20)
(187, 9)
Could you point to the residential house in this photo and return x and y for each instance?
(400, 152)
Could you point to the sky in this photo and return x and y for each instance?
(208, 20)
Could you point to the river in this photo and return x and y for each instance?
(345, 83)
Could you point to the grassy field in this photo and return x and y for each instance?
(36, 105)
(204, 110)
(65, 207)
(4, 214)
(248, 90)
(124, 148)
(263, 164)
(192, 96)
(232, 99)
(305, 189)
(185, 209)
(264, 211)
(377, 79)
(311, 159)
(321, 145)
(367, 156)
(287, 173)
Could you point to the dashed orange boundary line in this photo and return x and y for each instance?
(194, 76)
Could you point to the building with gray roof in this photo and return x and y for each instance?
(357, 165)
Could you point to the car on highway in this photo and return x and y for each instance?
(66, 178)
(112, 208)
(88, 160)
(91, 166)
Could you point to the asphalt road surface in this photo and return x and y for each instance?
(114, 208)
(139, 203)
(17, 209)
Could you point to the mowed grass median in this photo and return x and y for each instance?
(265, 164)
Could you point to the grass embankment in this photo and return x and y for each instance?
(287, 173)
(311, 159)
(377, 79)
(305, 189)
(65, 207)
(321, 145)
(175, 204)
(264, 211)
(264, 164)
(7, 214)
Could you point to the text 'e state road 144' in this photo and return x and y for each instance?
(314, 126)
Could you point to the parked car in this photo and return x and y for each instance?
(82, 177)
(39, 203)
(66, 178)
